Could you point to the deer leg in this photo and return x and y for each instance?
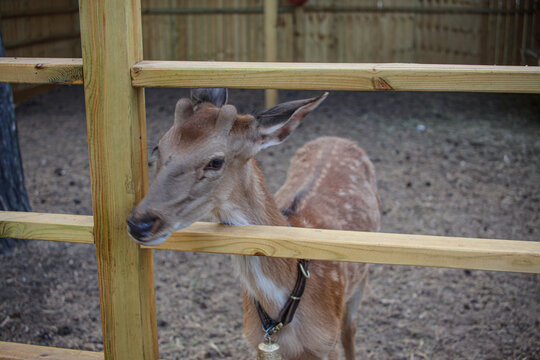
(348, 331)
(348, 325)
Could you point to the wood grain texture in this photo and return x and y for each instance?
(41, 70)
(360, 30)
(15, 351)
(380, 248)
(334, 76)
(342, 31)
(111, 45)
(53, 227)
(270, 44)
(395, 249)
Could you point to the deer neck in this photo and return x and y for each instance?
(265, 279)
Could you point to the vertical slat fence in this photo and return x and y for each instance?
(39, 29)
(270, 46)
(454, 31)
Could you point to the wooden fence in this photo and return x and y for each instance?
(42, 28)
(475, 32)
(485, 32)
(112, 68)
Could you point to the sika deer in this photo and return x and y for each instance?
(206, 165)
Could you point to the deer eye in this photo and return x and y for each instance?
(215, 164)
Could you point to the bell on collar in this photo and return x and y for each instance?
(268, 351)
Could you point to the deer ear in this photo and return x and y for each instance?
(226, 119)
(182, 111)
(278, 122)
(216, 96)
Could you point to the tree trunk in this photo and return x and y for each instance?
(13, 196)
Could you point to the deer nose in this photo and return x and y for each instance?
(141, 228)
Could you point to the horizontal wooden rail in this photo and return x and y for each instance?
(41, 70)
(382, 248)
(11, 14)
(307, 76)
(9, 45)
(209, 11)
(447, 10)
(334, 76)
(53, 227)
(15, 351)
(443, 10)
(28, 92)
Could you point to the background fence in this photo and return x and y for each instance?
(425, 31)
(484, 32)
(112, 44)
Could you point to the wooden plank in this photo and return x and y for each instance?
(507, 33)
(38, 12)
(286, 37)
(526, 33)
(148, 27)
(360, 77)
(41, 70)
(22, 94)
(499, 34)
(220, 35)
(397, 249)
(39, 226)
(270, 44)
(15, 351)
(191, 41)
(491, 32)
(211, 31)
(112, 44)
(460, 9)
(518, 32)
(41, 40)
(381, 248)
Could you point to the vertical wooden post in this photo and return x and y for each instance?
(270, 44)
(111, 39)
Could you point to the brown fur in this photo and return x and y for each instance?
(321, 175)
(330, 184)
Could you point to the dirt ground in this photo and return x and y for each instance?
(447, 164)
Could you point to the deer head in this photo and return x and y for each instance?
(201, 159)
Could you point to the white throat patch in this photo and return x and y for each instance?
(230, 215)
(248, 268)
(257, 284)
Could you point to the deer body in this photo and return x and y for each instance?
(330, 184)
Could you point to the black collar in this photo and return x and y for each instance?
(286, 315)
